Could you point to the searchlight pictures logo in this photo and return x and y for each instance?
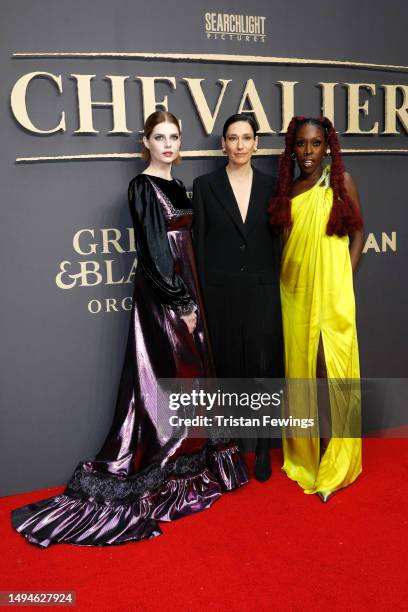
(229, 26)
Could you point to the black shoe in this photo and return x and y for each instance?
(262, 469)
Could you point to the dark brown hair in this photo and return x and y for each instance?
(240, 117)
(151, 122)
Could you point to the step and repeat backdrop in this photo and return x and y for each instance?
(78, 79)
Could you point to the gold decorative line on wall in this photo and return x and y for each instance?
(189, 154)
(212, 57)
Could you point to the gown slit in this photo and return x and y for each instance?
(323, 397)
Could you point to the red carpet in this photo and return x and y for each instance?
(265, 546)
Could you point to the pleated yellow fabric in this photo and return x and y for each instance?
(318, 301)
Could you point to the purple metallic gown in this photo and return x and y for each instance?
(139, 478)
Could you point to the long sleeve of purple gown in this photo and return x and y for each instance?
(153, 249)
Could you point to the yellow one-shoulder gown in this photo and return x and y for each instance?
(318, 301)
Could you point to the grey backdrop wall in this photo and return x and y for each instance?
(64, 325)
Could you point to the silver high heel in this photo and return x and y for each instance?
(325, 496)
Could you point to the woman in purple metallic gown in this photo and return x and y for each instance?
(141, 477)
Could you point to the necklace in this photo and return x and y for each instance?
(325, 177)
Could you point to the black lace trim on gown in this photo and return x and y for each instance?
(106, 488)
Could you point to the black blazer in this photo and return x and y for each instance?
(238, 265)
(229, 251)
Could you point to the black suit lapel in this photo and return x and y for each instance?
(222, 190)
(257, 202)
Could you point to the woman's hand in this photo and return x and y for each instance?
(191, 321)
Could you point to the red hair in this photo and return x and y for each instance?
(345, 217)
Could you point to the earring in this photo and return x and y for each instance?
(293, 156)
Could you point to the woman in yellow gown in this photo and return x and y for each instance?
(319, 217)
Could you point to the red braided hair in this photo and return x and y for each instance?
(344, 217)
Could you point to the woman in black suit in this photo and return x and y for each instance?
(238, 260)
